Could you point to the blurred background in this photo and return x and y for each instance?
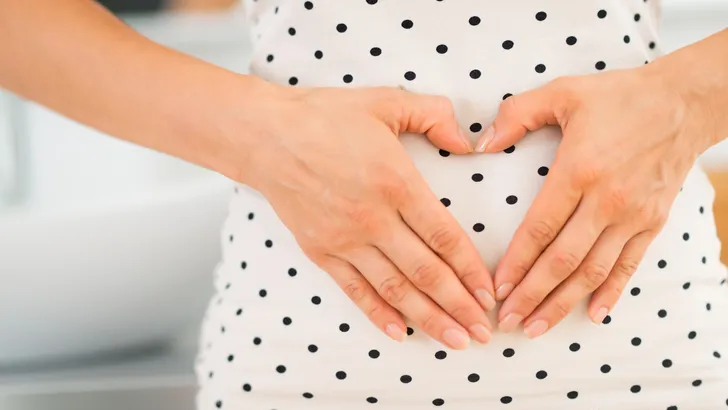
(101, 288)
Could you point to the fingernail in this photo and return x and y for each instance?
(503, 291)
(480, 333)
(485, 299)
(510, 322)
(536, 328)
(466, 140)
(600, 315)
(485, 139)
(395, 332)
(456, 338)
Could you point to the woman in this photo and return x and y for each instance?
(588, 173)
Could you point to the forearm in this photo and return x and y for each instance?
(79, 60)
(699, 73)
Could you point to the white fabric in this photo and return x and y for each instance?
(642, 358)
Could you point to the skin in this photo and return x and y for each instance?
(629, 139)
(329, 162)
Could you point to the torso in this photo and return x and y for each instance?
(476, 52)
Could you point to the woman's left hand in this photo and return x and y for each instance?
(628, 144)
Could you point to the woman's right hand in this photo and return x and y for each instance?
(329, 162)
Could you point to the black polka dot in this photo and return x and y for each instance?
(686, 285)
(444, 153)
(574, 347)
(662, 264)
(506, 95)
(247, 387)
(540, 68)
(511, 199)
(507, 45)
(637, 17)
(438, 402)
(572, 394)
(312, 348)
(263, 293)
(269, 58)
(447, 203)
(662, 313)
(308, 395)
(218, 404)
(374, 353)
(635, 291)
(636, 341)
(308, 5)
(238, 312)
(292, 31)
(600, 65)
(508, 352)
(268, 243)
(477, 177)
(697, 383)
(636, 388)
(602, 14)
(410, 75)
(316, 300)
(667, 363)
(686, 236)
(407, 24)
(476, 127)
(441, 49)
(344, 327)
(704, 260)
(605, 368)
(701, 209)
(411, 331)
(571, 40)
(318, 54)
(281, 369)
(372, 399)
(230, 358)
(541, 16)
(541, 374)
(543, 171)
(405, 378)
(292, 272)
(478, 227)
(287, 321)
(510, 149)
(708, 306)
(506, 399)
(348, 78)
(341, 375)
(607, 320)
(474, 21)
(371, 1)
(475, 74)
(692, 335)
(375, 51)
(626, 39)
(341, 28)
(440, 354)
(473, 377)
(672, 408)
(256, 341)
(716, 354)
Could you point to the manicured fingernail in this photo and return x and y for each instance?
(456, 338)
(480, 333)
(600, 315)
(485, 139)
(503, 291)
(466, 141)
(536, 328)
(510, 322)
(395, 332)
(485, 299)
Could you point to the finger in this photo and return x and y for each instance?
(524, 112)
(553, 206)
(592, 272)
(361, 292)
(397, 290)
(432, 115)
(607, 295)
(438, 230)
(427, 272)
(561, 259)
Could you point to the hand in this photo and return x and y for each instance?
(628, 144)
(330, 164)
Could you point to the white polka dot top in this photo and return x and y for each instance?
(280, 334)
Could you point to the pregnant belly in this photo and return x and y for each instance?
(488, 194)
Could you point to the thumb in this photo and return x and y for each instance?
(433, 116)
(521, 113)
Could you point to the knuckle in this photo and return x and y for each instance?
(376, 312)
(356, 290)
(565, 261)
(541, 232)
(443, 239)
(586, 173)
(444, 105)
(595, 275)
(390, 185)
(529, 298)
(618, 198)
(560, 309)
(625, 268)
(393, 290)
(426, 276)
(430, 322)
(460, 311)
(362, 215)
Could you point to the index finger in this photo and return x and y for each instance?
(553, 206)
(440, 231)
